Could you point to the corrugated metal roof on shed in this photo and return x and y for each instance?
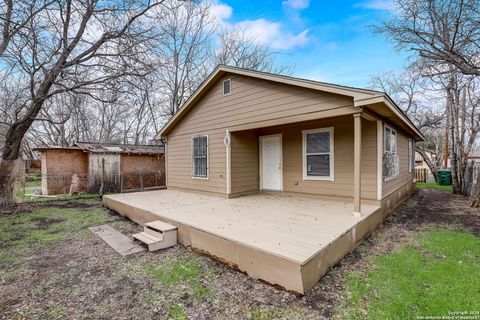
(121, 148)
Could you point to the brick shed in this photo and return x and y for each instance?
(123, 167)
(59, 165)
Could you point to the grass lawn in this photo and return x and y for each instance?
(433, 185)
(424, 261)
(53, 267)
(436, 273)
(32, 198)
(33, 181)
(24, 192)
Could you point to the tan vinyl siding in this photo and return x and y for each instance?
(250, 101)
(404, 176)
(342, 186)
(254, 100)
(245, 166)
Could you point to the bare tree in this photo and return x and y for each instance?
(238, 49)
(441, 32)
(462, 113)
(445, 39)
(68, 46)
(15, 17)
(182, 54)
(464, 126)
(411, 92)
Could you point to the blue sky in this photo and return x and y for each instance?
(325, 40)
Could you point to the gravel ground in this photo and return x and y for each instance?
(79, 277)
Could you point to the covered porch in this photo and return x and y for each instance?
(348, 164)
(289, 240)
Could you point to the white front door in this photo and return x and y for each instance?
(271, 162)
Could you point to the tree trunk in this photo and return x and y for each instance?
(452, 112)
(10, 154)
(433, 167)
(476, 198)
(11, 151)
(7, 182)
(445, 141)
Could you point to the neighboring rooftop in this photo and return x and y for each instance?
(111, 148)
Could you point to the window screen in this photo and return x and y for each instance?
(200, 154)
(318, 153)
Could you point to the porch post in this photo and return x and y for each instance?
(357, 153)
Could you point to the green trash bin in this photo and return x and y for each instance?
(444, 177)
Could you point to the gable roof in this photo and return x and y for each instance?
(361, 97)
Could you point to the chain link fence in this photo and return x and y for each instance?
(33, 186)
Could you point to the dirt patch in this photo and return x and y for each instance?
(431, 206)
(44, 223)
(83, 277)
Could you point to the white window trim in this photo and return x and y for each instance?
(208, 158)
(395, 152)
(223, 87)
(332, 153)
(380, 150)
(410, 155)
(396, 139)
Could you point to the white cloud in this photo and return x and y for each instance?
(385, 5)
(221, 11)
(271, 33)
(297, 4)
(262, 31)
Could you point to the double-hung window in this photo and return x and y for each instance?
(390, 158)
(200, 157)
(318, 154)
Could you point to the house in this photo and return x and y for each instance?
(82, 168)
(279, 176)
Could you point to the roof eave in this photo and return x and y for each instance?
(385, 99)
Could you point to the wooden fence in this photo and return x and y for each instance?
(421, 174)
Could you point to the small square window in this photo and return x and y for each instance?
(227, 88)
